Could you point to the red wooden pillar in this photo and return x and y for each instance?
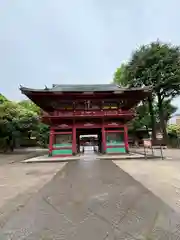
(103, 138)
(51, 141)
(126, 138)
(74, 150)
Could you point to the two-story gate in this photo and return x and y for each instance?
(71, 108)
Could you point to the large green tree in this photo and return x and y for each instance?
(9, 114)
(30, 124)
(20, 121)
(156, 65)
(145, 112)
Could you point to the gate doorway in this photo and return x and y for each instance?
(89, 140)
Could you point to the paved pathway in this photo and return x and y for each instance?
(162, 177)
(93, 200)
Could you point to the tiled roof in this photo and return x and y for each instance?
(84, 88)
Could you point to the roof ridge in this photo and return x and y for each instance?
(96, 84)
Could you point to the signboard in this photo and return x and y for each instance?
(147, 143)
(159, 136)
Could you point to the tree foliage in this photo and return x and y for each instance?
(120, 77)
(2, 99)
(43, 135)
(173, 129)
(143, 118)
(157, 65)
(8, 120)
(30, 124)
(30, 106)
(20, 120)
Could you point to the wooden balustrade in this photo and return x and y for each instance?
(89, 113)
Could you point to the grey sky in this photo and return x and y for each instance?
(76, 41)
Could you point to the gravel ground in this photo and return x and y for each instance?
(20, 155)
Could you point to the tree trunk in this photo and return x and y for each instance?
(162, 119)
(153, 122)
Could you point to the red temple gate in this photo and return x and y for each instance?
(105, 109)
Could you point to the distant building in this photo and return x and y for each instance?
(175, 119)
(178, 119)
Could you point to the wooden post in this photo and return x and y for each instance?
(74, 150)
(51, 141)
(126, 138)
(103, 138)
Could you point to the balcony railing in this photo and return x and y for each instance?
(89, 113)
